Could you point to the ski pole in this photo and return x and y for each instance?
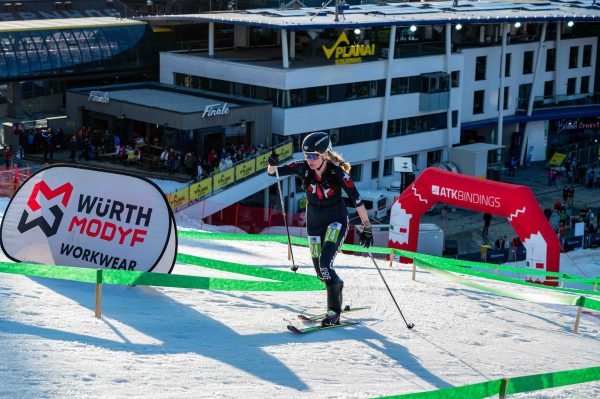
(409, 326)
(287, 229)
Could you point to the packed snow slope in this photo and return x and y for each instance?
(182, 343)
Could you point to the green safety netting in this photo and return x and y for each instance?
(279, 280)
(473, 391)
(509, 385)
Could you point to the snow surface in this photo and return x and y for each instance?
(183, 343)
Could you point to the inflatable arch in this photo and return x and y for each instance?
(514, 202)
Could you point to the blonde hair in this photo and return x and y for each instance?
(333, 156)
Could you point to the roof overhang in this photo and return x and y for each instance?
(397, 14)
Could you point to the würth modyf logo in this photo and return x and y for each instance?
(49, 230)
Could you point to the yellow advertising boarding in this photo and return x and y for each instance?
(245, 169)
(179, 198)
(223, 179)
(200, 189)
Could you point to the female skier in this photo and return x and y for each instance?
(324, 175)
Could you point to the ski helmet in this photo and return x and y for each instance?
(316, 142)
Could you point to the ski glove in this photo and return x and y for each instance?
(366, 235)
(273, 159)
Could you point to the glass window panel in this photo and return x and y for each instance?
(84, 46)
(63, 49)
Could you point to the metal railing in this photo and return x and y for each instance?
(218, 181)
(566, 100)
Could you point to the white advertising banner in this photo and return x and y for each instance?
(88, 217)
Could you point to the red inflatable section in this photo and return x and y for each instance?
(514, 202)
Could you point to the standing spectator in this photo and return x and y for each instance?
(550, 176)
(228, 162)
(487, 218)
(59, 138)
(199, 168)
(513, 166)
(570, 195)
(164, 157)
(45, 143)
(498, 242)
(172, 161)
(7, 156)
(565, 193)
(589, 178)
(72, 148)
(190, 163)
(20, 156)
(30, 138)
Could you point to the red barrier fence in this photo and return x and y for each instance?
(265, 220)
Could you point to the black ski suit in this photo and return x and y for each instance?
(326, 219)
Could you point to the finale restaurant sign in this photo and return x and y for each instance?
(89, 217)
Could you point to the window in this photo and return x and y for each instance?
(406, 84)
(550, 59)
(571, 85)
(356, 172)
(506, 91)
(524, 93)
(387, 168)
(585, 84)
(455, 78)
(573, 55)
(478, 102)
(528, 63)
(434, 157)
(480, 63)
(316, 95)
(419, 124)
(587, 55)
(507, 65)
(549, 88)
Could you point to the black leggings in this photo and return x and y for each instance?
(326, 233)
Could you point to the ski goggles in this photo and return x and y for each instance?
(312, 156)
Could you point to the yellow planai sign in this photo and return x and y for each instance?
(348, 54)
(179, 198)
(200, 189)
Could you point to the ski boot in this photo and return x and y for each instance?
(334, 302)
(332, 318)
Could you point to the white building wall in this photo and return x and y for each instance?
(516, 78)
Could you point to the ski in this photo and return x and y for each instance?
(318, 317)
(307, 330)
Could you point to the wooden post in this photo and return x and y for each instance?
(391, 259)
(414, 273)
(596, 286)
(577, 319)
(98, 313)
(503, 388)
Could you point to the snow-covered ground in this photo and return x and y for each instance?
(182, 343)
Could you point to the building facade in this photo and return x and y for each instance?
(436, 86)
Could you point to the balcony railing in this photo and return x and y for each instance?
(562, 100)
(566, 100)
